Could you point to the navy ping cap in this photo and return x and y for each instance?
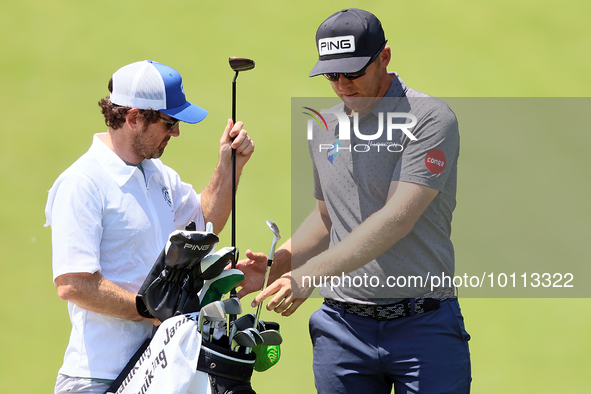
(347, 40)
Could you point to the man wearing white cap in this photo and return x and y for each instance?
(111, 213)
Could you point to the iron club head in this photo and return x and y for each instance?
(276, 237)
(274, 228)
(211, 312)
(244, 339)
(256, 335)
(271, 338)
(232, 306)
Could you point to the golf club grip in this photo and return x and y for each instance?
(267, 272)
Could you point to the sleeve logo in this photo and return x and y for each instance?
(435, 161)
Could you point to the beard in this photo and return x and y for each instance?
(144, 147)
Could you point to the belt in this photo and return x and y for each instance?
(387, 312)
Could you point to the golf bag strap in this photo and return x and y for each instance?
(219, 361)
(117, 382)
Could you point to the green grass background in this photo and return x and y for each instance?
(56, 60)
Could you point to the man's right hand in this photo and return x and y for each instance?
(253, 267)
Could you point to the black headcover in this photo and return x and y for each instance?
(176, 276)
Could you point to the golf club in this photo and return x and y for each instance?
(211, 312)
(271, 338)
(247, 321)
(244, 339)
(276, 237)
(255, 334)
(242, 323)
(232, 306)
(252, 335)
(237, 64)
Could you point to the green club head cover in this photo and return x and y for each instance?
(214, 289)
(267, 356)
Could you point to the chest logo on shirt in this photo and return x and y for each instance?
(435, 161)
(166, 196)
(332, 153)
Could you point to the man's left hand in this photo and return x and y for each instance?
(289, 294)
(235, 137)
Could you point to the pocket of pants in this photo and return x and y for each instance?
(455, 306)
(311, 325)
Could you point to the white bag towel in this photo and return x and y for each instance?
(169, 364)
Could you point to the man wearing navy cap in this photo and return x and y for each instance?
(112, 211)
(383, 212)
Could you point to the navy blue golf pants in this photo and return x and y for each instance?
(425, 353)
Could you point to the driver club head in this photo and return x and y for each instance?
(241, 64)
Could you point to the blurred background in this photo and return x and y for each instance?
(528, 200)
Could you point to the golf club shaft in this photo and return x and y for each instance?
(234, 168)
(258, 314)
(234, 258)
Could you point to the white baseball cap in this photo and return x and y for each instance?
(152, 85)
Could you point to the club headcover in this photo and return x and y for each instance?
(267, 356)
(214, 289)
(213, 265)
(186, 248)
(176, 277)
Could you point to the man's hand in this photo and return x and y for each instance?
(235, 137)
(216, 198)
(289, 294)
(253, 268)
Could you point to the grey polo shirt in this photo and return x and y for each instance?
(354, 176)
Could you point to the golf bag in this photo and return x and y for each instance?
(178, 359)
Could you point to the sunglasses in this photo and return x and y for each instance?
(170, 122)
(334, 77)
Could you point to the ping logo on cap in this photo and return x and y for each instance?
(334, 45)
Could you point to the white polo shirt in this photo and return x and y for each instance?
(105, 216)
